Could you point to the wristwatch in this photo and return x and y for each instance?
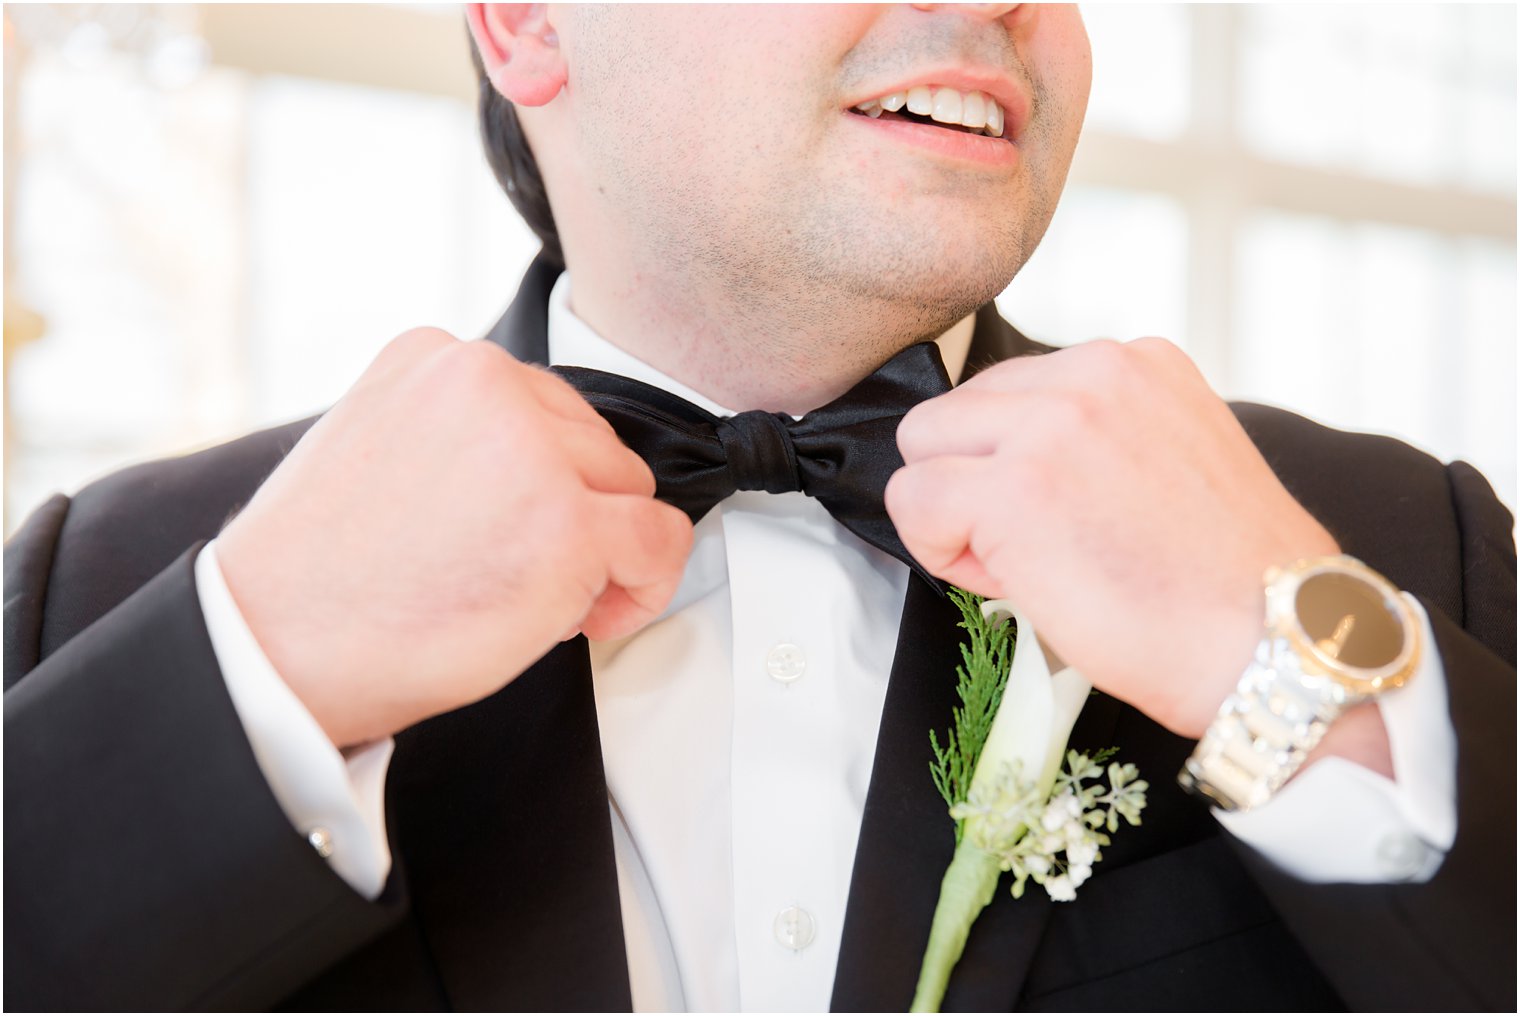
(1337, 633)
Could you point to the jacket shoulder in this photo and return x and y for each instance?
(1385, 501)
(125, 528)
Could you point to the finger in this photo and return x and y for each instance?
(413, 346)
(406, 353)
(1095, 358)
(604, 463)
(984, 423)
(615, 615)
(934, 508)
(956, 423)
(557, 396)
(968, 572)
(645, 544)
(940, 510)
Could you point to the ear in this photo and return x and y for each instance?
(519, 49)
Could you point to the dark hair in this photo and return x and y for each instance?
(512, 161)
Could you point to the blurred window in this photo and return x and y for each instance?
(1148, 43)
(228, 250)
(370, 212)
(1112, 258)
(1419, 93)
(1317, 201)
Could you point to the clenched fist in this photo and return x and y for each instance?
(437, 531)
(1114, 497)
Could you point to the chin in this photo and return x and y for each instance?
(942, 287)
(952, 261)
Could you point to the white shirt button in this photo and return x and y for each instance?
(785, 662)
(794, 928)
(1400, 856)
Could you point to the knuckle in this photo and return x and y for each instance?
(405, 353)
(1170, 356)
(477, 375)
(1065, 416)
(424, 337)
(546, 377)
(484, 359)
(1103, 359)
(1085, 409)
(416, 343)
(1158, 347)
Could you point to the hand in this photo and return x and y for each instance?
(437, 531)
(1112, 495)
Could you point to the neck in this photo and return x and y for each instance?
(745, 357)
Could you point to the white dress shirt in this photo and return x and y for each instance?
(738, 731)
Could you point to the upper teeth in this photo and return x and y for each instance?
(946, 105)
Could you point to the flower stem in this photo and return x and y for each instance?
(969, 884)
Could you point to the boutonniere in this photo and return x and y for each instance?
(1015, 807)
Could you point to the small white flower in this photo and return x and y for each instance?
(1082, 854)
(1078, 873)
(1054, 817)
(1037, 864)
(1061, 889)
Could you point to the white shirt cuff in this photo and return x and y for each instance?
(331, 800)
(1340, 822)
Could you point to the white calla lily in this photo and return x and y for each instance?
(1011, 790)
(1034, 720)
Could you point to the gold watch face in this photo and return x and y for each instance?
(1346, 621)
(1349, 621)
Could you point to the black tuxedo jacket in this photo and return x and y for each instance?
(147, 864)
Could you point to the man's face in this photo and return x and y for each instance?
(724, 142)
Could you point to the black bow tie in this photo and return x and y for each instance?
(842, 454)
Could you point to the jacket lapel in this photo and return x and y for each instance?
(503, 831)
(906, 838)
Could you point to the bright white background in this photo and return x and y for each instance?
(218, 215)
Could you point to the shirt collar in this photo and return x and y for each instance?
(573, 343)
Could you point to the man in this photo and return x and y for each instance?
(757, 212)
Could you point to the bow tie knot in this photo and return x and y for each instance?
(760, 452)
(841, 454)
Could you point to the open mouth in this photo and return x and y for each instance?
(936, 106)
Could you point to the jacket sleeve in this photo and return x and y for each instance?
(147, 863)
(1447, 944)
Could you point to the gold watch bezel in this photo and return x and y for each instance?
(1282, 586)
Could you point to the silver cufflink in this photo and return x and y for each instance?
(321, 841)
